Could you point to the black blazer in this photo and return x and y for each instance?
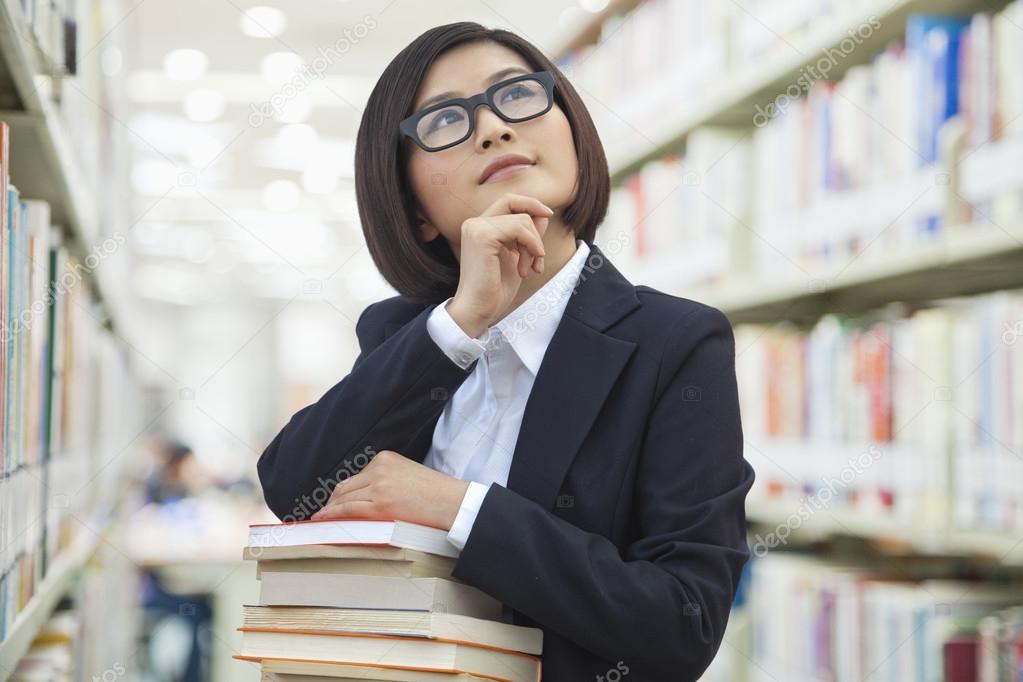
(621, 532)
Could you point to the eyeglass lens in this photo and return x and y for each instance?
(515, 101)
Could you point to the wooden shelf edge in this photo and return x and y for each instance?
(1006, 549)
(759, 300)
(49, 591)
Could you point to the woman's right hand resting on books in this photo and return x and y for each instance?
(498, 250)
(393, 486)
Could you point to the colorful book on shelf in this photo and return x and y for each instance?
(933, 43)
(353, 532)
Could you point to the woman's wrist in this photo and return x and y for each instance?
(472, 325)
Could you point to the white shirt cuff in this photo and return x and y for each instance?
(471, 503)
(456, 344)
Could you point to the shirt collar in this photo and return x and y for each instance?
(530, 327)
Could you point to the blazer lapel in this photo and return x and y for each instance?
(578, 371)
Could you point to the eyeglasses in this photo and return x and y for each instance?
(453, 121)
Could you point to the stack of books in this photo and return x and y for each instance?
(365, 599)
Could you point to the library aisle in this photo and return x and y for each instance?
(183, 264)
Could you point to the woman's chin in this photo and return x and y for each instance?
(528, 182)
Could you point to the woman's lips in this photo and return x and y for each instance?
(506, 171)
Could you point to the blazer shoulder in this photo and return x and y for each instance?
(393, 310)
(666, 311)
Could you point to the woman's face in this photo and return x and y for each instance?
(446, 183)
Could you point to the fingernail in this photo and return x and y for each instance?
(540, 261)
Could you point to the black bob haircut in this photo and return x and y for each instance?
(427, 272)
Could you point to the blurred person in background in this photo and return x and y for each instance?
(176, 625)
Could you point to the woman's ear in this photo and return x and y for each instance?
(426, 229)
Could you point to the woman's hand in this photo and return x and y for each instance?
(498, 250)
(395, 487)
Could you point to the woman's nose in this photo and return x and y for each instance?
(489, 125)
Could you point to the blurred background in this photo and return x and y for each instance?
(183, 265)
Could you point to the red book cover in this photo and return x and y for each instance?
(635, 186)
(959, 657)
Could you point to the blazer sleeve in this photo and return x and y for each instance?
(681, 573)
(395, 389)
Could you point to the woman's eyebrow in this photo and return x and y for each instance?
(494, 77)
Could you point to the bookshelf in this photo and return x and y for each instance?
(59, 578)
(74, 399)
(42, 161)
(589, 32)
(733, 97)
(691, 168)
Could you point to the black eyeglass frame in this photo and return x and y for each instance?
(408, 125)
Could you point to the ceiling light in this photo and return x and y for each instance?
(204, 105)
(295, 110)
(202, 150)
(153, 177)
(263, 22)
(299, 136)
(185, 64)
(321, 174)
(593, 6)
(281, 195)
(280, 66)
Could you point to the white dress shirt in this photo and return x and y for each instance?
(476, 433)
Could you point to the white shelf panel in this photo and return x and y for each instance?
(966, 260)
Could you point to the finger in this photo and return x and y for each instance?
(347, 485)
(517, 231)
(528, 259)
(364, 493)
(344, 497)
(518, 203)
(351, 509)
(541, 224)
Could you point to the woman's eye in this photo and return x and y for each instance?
(520, 90)
(446, 117)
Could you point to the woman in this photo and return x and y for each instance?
(578, 436)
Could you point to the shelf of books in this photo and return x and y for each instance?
(843, 180)
(69, 406)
